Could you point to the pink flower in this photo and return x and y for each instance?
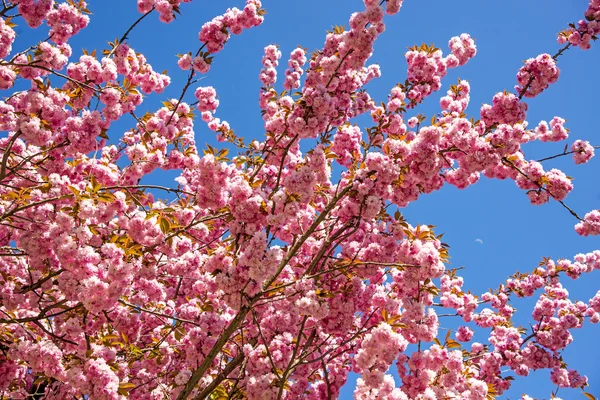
(346, 144)
(464, 334)
(583, 151)
(7, 37)
(185, 62)
(555, 133)
(295, 71)
(463, 48)
(506, 108)
(216, 32)
(557, 184)
(207, 99)
(268, 74)
(144, 5)
(536, 75)
(393, 6)
(412, 122)
(586, 30)
(590, 224)
(66, 21)
(7, 77)
(200, 64)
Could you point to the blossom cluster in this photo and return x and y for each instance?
(294, 72)
(65, 21)
(264, 276)
(583, 151)
(268, 75)
(536, 75)
(34, 12)
(7, 37)
(215, 33)
(166, 8)
(586, 30)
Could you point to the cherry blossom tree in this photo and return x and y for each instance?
(266, 277)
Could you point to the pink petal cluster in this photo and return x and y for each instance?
(586, 30)
(165, 8)
(346, 145)
(294, 71)
(377, 352)
(7, 37)
(590, 224)
(457, 100)
(138, 71)
(396, 100)
(7, 77)
(543, 184)
(268, 74)
(207, 104)
(506, 108)
(89, 69)
(583, 151)
(201, 63)
(393, 6)
(537, 75)
(65, 21)
(216, 32)
(34, 12)
(464, 334)
(553, 133)
(207, 98)
(463, 49)
(557, 184)
(335, 72)
(262, 276)
(46, 56)
(426, 69)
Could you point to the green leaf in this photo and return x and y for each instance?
(165, 224)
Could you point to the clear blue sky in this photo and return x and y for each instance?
(515, 234)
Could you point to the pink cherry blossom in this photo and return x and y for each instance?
(274, 266)
(583, 151)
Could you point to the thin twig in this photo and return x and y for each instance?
(565, 153)
(75, 81)
(159, 314)
(124, 37)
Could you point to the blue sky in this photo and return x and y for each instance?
(491, 227)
